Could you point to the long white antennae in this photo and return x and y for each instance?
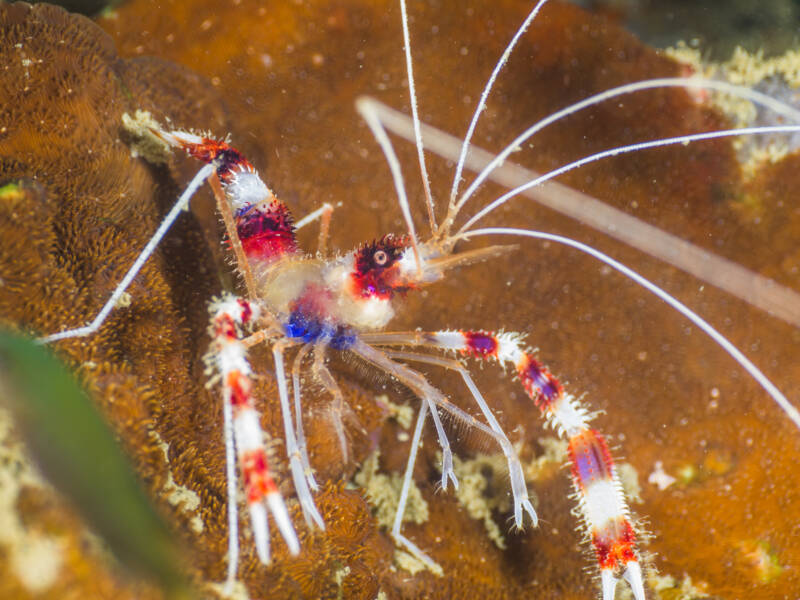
(365, 108)
(417, 133)
(683, 82)
(482, 102)
(681, 139)
(762, 292)
(180, 206)
(696, 319)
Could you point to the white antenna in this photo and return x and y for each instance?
(415, 115)
(681, 82)
(365, 108)
(757, 290)
(482, 102)
(681, 139)
(696, 319)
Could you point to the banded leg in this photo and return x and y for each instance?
(243, 434)
(601, 500)
(228, 219)
(259, 226)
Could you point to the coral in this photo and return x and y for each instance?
(716, 26)
(383, 492)
(482, 490)
(768, 161)
(80, 210)
(47, 552)
(282, 79)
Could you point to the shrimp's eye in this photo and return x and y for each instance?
(380, 257)
(376, 271)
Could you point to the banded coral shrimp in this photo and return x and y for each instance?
(513, 315)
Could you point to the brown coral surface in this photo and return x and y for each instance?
(282, 79)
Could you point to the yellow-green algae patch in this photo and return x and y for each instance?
(144, 142)
(402, 413)
(482, 490)
(669, 588)
(177, 495)
(383, 493)
(10, 191)
(547, 463)
(748, 69)
(409, 562)
(483, 482)
(629, 478)
(764, 559)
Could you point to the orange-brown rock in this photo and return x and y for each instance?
(282, 79)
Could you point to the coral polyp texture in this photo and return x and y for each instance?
(714, 459)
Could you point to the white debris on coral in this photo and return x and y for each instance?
(383, 493)
(483, 489)
(144, 142)
(35, 559)
(237, 592)
(629, 478)
(554, 455)
(124, 301)
(402, 413)
(659, 477)
(179, 496)
(339, 577)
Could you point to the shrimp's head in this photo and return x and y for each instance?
(393, 265)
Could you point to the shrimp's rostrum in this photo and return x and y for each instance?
(703, 438)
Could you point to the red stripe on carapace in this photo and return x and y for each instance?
(615, 544)
(539, 383)
(239, 387)
(480, 343)
(590, 458)
(266, 233)
(257, 480)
